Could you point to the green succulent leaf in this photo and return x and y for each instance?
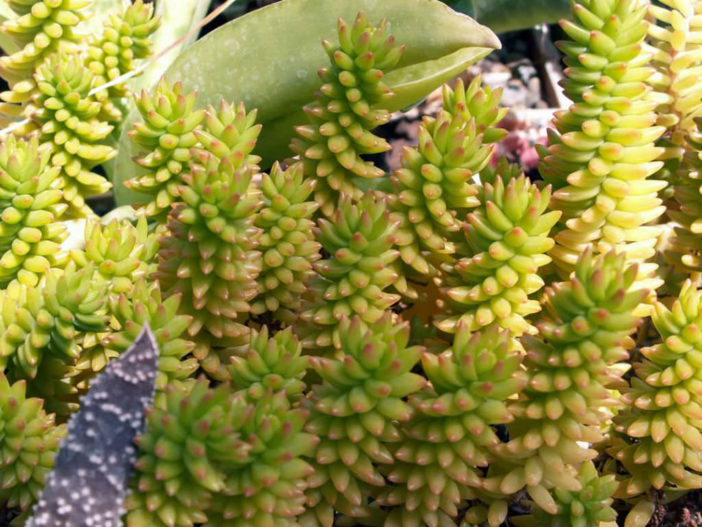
(603, 155)
(184, 455)
(29, 440)
(356, 412)
(660, 433)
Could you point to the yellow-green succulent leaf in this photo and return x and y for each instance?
(184, 455)
(125, 38)
(40, 29)
(450, 434)
(355, 278)
(30, 440)
(30, 209)
(505, 241)
(659, 430)
(288, 245)
(435, 188)
(68, 118)
(601, 158)
(356, 412)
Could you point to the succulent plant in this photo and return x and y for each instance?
(47, 319)
(590, 506)
(506, 240)
(144, 305)
(68, 118)
(522, 399)
(42, 27)
(685, 251)
(362, 264)
(659, 429)
(603, 154)
(124, 39)
(43, 329)
(29, 440)
(210, 255)
(120, 252)
(230, 131)
(674, 56)
(272, 363)
(167, 135)
(287, 241)
(449, 436)
(435, 187)
(268, 488)
(355, 412)
(30, 207)
(346, 108)
(574, 368)
(183, 456)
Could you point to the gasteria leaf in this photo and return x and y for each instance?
(92, 469)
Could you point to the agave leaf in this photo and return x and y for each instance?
(269, 60)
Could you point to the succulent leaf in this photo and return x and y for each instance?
(346, 108)
(270, 364)
(604, 152)
(144, 305)
(450, 434)
(355, 412)
(287, 242)
(167, 136)
(120, 252)
(686, 250)
(43, 27)
(506, 240)
(183, 456)
(435, 187)
(30, 207)
(48, 318)
(360, 240)
(659, 429)
(68, 119)
(268, 488)
(29, 440)
(209, 254)
(124, 39)
(574, 368)
(588, 507)
(675, 58)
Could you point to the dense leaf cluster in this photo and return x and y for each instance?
(341, 345)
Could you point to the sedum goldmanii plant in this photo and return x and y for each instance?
(341, 344)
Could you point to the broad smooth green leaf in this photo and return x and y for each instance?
(269, 60)
(510, 15)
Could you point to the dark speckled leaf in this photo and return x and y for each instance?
(91, 472)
